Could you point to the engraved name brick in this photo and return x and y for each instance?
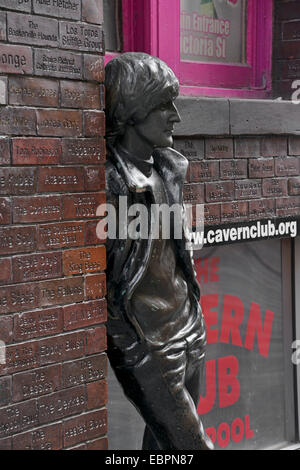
(85, 151)
(84, 370)
(63, 347)
(234, 211)
(36, 151)
(81, 205)
(289, 166)
(33, 91)
(232, 169)
(61, 292)
(17, 181)
(212, 214)
(94, 123)
(81, 37)
(274, 187)
(192, 149)
(19, 297)
(262, 209)
(21, 5)
(38, 382)
(85, 314)
(17, 239)
(62, 404)
(247, 189)
(21, 357)
(38, 323)
(85, 427)
(60, 64)
(36, 209)
(28, 29)
(193, 193)
(93, 68)
(84, 260)
(203, 171)
(16, 59)
(94, 178)
(60, 235)
(288, 206)
(219, 148)
(36, 267)
(59, 123)
(44, 438)
(60, 8)
(18, 418)
(80, 95)
(95, 286)
(261, 168)
(19, 121)
(60, 179)
(216, 192)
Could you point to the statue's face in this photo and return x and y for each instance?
(158, 127)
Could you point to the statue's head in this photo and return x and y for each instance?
(136, 84)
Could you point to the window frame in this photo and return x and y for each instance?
(148, 26)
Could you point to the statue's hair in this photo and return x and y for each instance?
(136, 84)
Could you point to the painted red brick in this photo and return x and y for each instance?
(95, 286)
(97, 394)
(84, 260)
(96, 340)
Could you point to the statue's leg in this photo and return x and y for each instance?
(156, 386)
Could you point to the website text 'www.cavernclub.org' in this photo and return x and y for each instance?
(252, 231)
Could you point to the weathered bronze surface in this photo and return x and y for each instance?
(156, 331)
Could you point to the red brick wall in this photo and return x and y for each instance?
(243, 178)
(52, 307)
(286, 51)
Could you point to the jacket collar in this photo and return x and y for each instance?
(170, 165)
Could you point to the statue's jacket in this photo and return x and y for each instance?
(128, 259)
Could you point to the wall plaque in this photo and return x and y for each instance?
(82, 37)
(32, 30)
(57, 63)
(20, 5)
(61, 8)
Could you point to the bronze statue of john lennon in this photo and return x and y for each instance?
(156, 331)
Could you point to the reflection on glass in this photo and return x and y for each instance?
(213, 30)
(242, 403)
(113, 25)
